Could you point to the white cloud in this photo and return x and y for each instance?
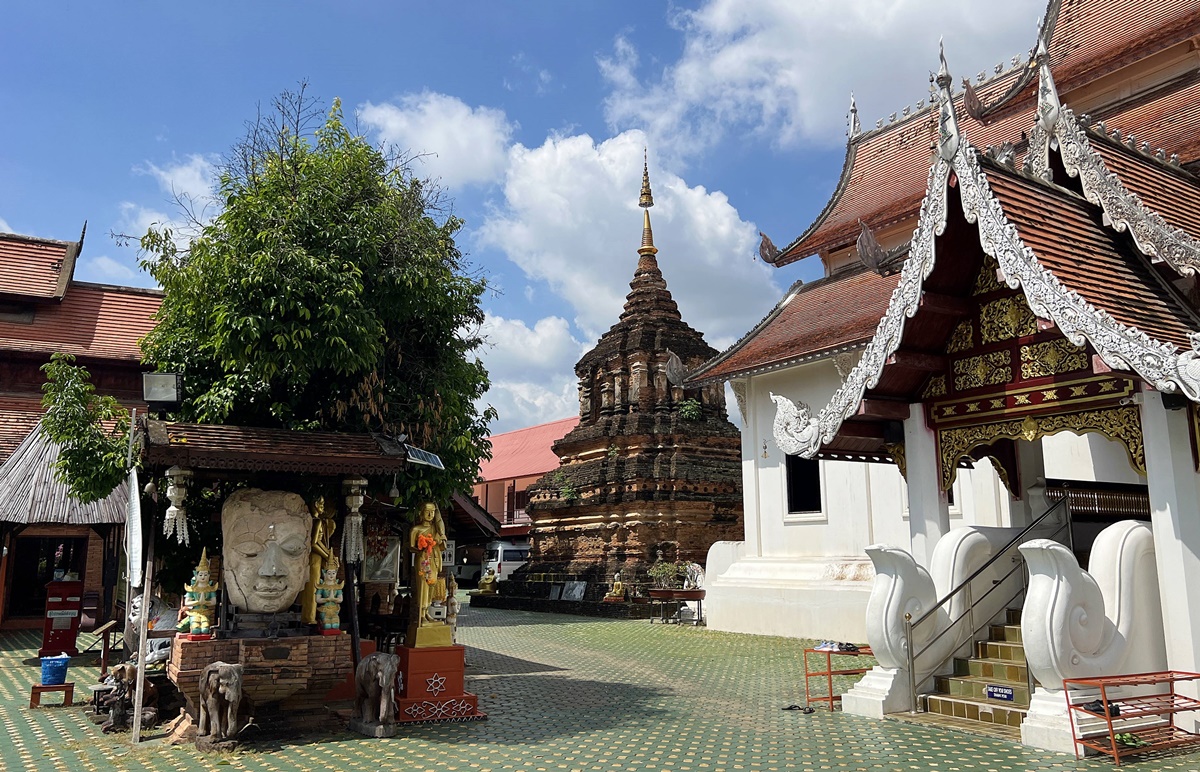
(531, 370)
(784, 69)
(459, 144)
(4, 226)
(193, 179)
(570, 219)
(105, 270)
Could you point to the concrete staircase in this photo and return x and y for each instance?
(976, 693)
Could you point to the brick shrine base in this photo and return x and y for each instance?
(587, 608)
(433, 688)
(284, 680)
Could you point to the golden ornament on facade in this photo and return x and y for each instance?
(983, 370)
(1005, 319)
(936, 387)
(897, 451)
(962, 338)
(1051, 357)
(1122, 424)
(986, 281)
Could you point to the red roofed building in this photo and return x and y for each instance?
(518, 459)
(44, 310)
(1009, 319)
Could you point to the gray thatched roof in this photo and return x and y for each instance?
(30, 492)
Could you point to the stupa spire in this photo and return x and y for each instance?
(646, 200)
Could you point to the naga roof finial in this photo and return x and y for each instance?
(646, 201)
(855, 126)
(1049, 107)
(948, 134)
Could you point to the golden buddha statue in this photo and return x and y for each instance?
(617, 593)
(323, 527)
(426, 541)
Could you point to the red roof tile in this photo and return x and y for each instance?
(1092, 38)
(525, 452)
(93, 320)
(831, 313)
(18, 415)
(35, 269)
(1066, 234)
(1167, 119)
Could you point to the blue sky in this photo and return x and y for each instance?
(532, 115)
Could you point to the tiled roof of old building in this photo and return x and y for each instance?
(816, 318)
(36, 269)
(1172, 193)
(1165, 118)
(93, 320)
(525, 452)
(19, 413)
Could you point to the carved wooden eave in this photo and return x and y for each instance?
(1120, 346)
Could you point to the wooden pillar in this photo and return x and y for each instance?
(1175, 516)
(928, 504)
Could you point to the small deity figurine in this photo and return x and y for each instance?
(328, 597)
(323, 527)
(487, 584)
(617, 593)
(200, 599)
(427, 540)
(452, 607)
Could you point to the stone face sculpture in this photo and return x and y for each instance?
(220, 696)
(266, 537)
(200, 599)
(328, 598)
(323, 527)
(375, 688)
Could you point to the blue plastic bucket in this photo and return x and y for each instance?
(54, 670)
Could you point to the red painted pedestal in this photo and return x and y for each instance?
(433, 686)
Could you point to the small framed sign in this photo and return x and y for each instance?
(997, 692)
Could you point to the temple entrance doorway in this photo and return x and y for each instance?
(38, 560)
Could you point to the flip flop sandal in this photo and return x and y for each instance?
(792, 707)
(808, 711)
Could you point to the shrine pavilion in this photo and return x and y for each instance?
(1008, 319)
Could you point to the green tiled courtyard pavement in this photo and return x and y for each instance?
(563, 693)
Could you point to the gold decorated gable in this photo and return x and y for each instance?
(1005, 319)
(1051, 357)
(1096, 391)
(983, 370)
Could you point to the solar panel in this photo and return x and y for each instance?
(418, 456)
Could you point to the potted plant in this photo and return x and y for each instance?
(667, 577)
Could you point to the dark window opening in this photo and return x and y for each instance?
(803, 484)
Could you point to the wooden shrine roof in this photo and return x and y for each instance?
(817, 318)
(1170, 192)
(36, 269)
(19, 413)
(30, 491)
(253, 449)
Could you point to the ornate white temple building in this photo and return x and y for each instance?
(995, 380)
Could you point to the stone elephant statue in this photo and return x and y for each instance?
(220, 697)
(375, 688)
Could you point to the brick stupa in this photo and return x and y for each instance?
(651, 466)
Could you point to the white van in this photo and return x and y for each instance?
(505, 557)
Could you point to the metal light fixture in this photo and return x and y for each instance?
(162, 390)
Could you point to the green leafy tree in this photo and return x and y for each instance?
(91, 430)
(327, 293)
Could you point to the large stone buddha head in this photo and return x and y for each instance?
(266, 537)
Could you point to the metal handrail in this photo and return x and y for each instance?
(964, 587)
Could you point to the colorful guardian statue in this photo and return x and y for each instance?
(329, 597)
(200, 599)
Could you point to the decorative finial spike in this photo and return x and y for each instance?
(948, 135)
(855, 126)
(647, 198)
(1049, 107)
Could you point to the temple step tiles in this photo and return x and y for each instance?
(976, 692)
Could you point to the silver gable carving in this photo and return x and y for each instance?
(795, 429)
